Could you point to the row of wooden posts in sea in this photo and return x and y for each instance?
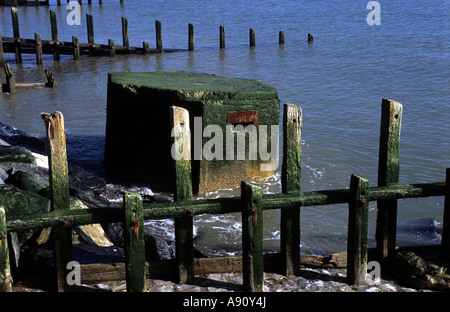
(40, 2)
(38, 46)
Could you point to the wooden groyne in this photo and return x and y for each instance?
(40, 2)
(39, 47)
(252, 204)
(76, 48)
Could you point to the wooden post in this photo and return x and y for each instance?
(37, 3)
(125, 32)
(15, 23)
(10, 80)
(252, 237)
(184, 241)
(133, 230)
(290, 182)
(388, 174)
(222, 37)
(310, 38)
(59, 193)
(158, 35)
(145, 47)
(252, 37)
(54, 27)
(445, 243)
(357, 231)
(51, 81)
(58, 2)
(112, 49)
(191, 37)
(90, 32)
(76, 48)
(2, 56)
(37, 39)
(281, 37)
(5, 269)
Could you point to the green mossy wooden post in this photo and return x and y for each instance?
(181, 151)
(37, 39)
(191, 37)
(445, 243)
(59, 193)
(16, 33)
(358, 219)
(290, 181)
(158, 35)
(125, 40)
(54, 27)
(5, 269)
(252, 238)
(133, 229)
(388, 174)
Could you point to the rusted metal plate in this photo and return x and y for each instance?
(243, 117)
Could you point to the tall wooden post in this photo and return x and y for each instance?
(158, 35)
(191, 37)
(184, 240)
(252, 238)
(125, 32)
(54, 28)
(358, 219)
(5, 269)
(59, 193)
(38, 41)
(281, 37)
(388, 174)
(222, 37)
(90, 32)
(2, 56)
(252, 37)
(290, 182)
(15, 23)
(445, 244)
(133, 229)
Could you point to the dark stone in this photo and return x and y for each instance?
(157, 248)
(86, 185)
(420, 269)
(18, 137)
(27, 181)
(16, 154)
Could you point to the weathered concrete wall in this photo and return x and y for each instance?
(138, 141)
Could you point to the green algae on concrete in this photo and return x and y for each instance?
(138, 133)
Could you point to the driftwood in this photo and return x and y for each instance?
(92, 273)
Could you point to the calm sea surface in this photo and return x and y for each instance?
(339, 81)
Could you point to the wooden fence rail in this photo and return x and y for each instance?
(251, 204)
